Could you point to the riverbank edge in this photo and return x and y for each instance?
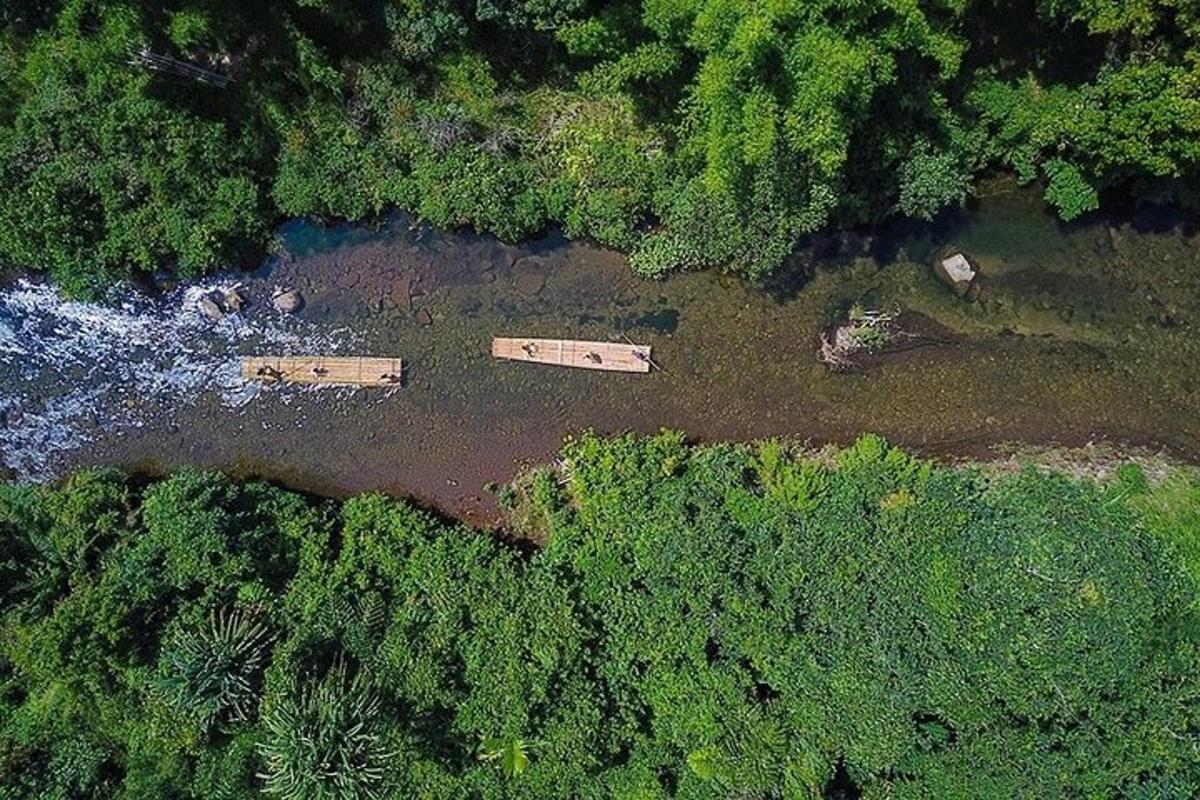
(1117, 212)
(1096, 462)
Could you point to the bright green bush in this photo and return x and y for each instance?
(931, 181)
(723, 621)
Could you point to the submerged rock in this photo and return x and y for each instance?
(1116, 239)
(424, 317)
(530, 283)
(163, 280)
(287, 302)
(502, 260)
(401, 294)
(530, 275)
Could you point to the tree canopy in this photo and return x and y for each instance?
(691, 134)
(724, 621)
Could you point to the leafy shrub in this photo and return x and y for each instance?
(322, 741)
(1068, 191)
(930, 181)
(212, 674)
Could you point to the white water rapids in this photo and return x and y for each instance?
(71, 370)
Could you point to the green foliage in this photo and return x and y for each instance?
(718, 621)
(211, 674)
(1068, 191)
(102, 177)
(930, 181)
(322, 741)
(511, 755)
(690, 134)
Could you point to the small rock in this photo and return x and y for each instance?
(527, 263)
(487, 276)
(232, 300)
(1115, 238)
(1170, 316)
(424, 317)
(208, 306)
(287, 302)
(955, 270)
(163, 280)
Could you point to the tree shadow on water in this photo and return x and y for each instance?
(900, 239)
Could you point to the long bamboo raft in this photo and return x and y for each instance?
(324, 370)
(610, 356)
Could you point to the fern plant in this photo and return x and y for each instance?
(212, 675)
(323, 741)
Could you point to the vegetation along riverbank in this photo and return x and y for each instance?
(721, 621)
(137, 135)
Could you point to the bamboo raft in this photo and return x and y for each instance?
(610, 356)
(324, 370)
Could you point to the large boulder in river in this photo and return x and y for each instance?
(957, 271)
(210, 308)
(287, 302)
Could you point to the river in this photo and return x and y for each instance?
(1084, 333)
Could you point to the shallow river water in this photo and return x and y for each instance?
(1082, 334)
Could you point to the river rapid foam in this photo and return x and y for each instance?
(71, 370)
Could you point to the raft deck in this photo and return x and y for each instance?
(324, 370)
(610, 356)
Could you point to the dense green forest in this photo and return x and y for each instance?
(691, 133)
(725, 621)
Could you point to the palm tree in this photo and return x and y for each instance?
(323, 741)
(213, 674)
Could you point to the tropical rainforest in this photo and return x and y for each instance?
(136, 135)
(694, 622)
